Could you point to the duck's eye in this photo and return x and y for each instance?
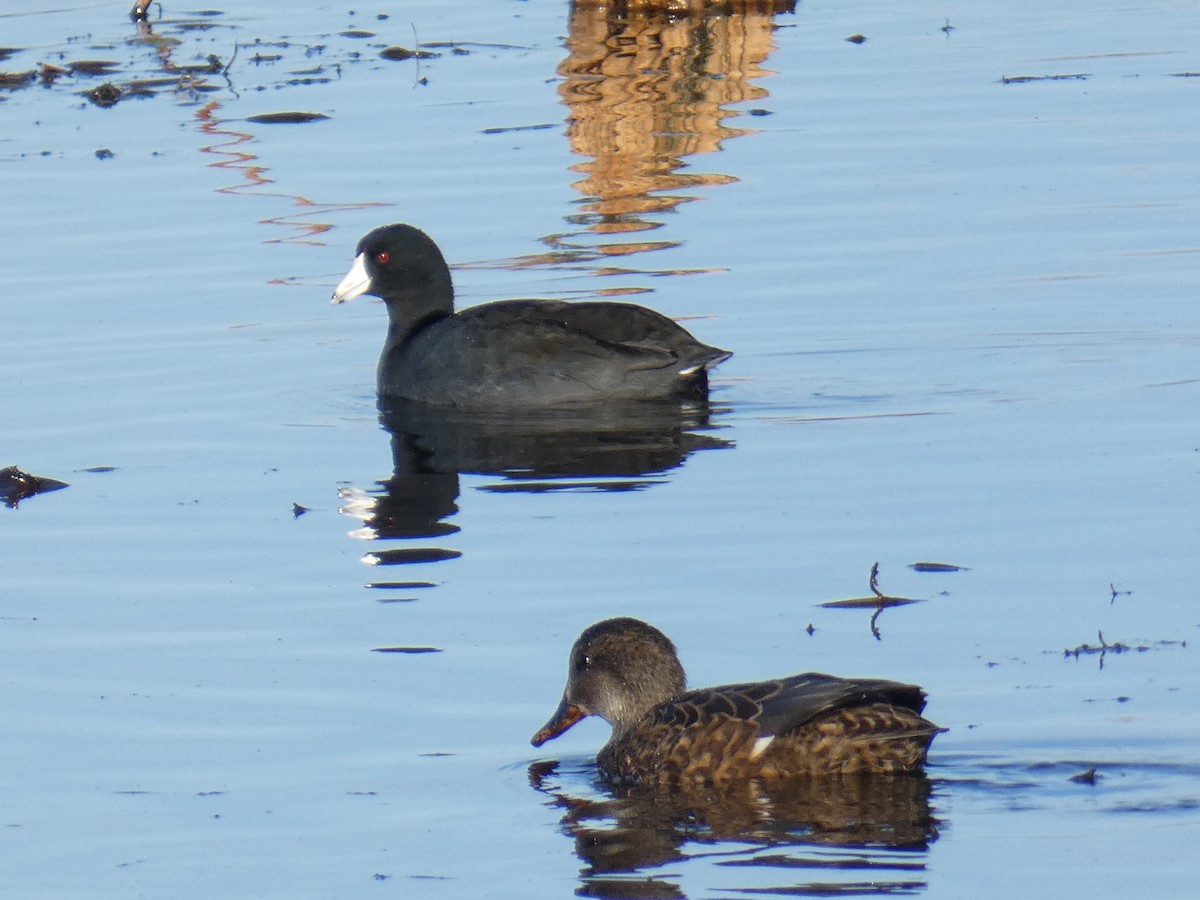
(383, 257)
(586, 662)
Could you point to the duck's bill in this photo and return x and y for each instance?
(356, 283)
(564, 717)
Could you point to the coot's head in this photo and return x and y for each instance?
(398, 262)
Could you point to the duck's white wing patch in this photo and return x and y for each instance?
(761, 745)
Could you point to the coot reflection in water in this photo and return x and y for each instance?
(822, 836)
(620, 447)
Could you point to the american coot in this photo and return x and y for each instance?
(514, 354)
(626, 672)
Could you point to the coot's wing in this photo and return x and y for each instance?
(537, 331)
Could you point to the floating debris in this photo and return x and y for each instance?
(105, 95)
(11, 80)
(286, 118)
(16, 485)
(880, 601)
(1022, 79)
(50, 74)
(397, 54)
(857, 39)
(212, 66)
(937, 567)
(505, 129)
(1087, 776)
(406, 649)
(93, 67)
(868, 602)
(104, 153)
(1104, 648)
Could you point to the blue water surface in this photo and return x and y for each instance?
(956, 263)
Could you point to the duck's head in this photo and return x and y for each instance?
(620, 669)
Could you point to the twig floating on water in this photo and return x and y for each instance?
(1023, 79)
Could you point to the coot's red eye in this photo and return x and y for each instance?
(383, 257)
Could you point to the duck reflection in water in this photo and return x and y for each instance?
(854, 834)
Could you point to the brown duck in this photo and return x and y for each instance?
(627, 672)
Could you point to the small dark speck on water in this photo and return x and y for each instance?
(104, 153)
(357, 33)
(857, 39)
(298, 510)
(759, 111)
(286, 118)
(1088, 776)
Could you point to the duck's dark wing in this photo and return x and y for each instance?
(785, 704)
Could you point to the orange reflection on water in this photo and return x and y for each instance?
(252, 178)
(647, 90)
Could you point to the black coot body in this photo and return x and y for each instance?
(514, 354)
